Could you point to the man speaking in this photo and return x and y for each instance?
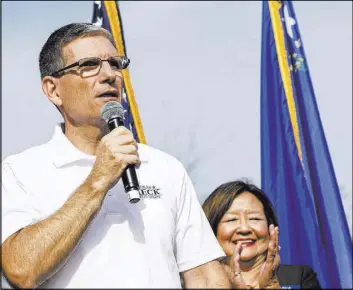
(67, 221)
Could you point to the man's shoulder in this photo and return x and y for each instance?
(155, 155)
(28, 156)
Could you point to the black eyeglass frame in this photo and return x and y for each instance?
(125, 62)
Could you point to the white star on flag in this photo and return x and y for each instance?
(99, 3)
(99, 21)
(297, 43)
(289, 21)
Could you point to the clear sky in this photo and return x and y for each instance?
(196, 75)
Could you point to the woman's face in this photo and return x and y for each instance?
(244, 222)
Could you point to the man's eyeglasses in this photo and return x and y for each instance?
(91, 65)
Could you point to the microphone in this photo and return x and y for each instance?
(113, 113)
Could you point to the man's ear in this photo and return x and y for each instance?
(50, 89)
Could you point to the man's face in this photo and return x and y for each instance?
(81, 99)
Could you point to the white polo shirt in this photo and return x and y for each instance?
(142, 245)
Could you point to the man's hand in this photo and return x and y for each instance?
(268, 273)
(35, 253)
(114, 152)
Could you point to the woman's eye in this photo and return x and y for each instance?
(255, 219)
(232, 219)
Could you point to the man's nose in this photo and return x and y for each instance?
(107, 73)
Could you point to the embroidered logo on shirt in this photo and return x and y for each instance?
(149, 191)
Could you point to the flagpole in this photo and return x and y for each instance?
(114, 17)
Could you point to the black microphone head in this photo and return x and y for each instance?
(112, 110)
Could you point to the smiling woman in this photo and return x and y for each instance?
(245, 224)
(245, 213)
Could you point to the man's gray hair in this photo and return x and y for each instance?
(51, 58)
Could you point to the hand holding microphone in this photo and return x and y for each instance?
(116, 154)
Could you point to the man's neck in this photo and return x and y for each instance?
(84, 138)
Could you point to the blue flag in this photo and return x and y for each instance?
(296, 168)
(107, 15)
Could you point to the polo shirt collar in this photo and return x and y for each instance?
(65, 152)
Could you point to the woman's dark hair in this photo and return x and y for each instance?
(221, 199)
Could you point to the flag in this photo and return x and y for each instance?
(296, 168)
(107, 15)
